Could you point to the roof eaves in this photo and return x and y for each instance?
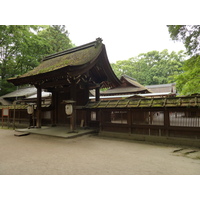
(22, 92)
(66, 61)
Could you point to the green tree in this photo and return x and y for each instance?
(57, 38)
(189, 35)
(22, 48)
(188, 82)
(153, 67)
(122, 67)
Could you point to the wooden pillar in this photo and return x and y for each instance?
(54, 108)
(129, 120)
(97, 94)
(97, 98)
(166, 122)
(73, 121)
(73, 97)
(100, 121)
(39, 99)
(87, 94)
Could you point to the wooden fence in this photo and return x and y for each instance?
(17, 116)
(171, 117)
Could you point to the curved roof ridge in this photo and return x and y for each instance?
(133, 81)
(129, 77)
(74, 49)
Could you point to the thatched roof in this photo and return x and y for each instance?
(87, 60)
(170, 87)
(20, 93)
(4, 102)
(129, 81)
(72, 57)
(128, 86)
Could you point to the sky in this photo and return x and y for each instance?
(127, 27)
(129, 42)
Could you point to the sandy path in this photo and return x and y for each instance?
(36, 154)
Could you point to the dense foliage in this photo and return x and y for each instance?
(22, 48)
(189, 35)
(188, 82)
(57, 38)
(153, 67)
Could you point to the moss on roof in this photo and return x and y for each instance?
(72, 59)
(193, 101)
(72, 62)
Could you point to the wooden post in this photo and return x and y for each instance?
(14, 103)
(129, 120)
(73, 121)
(73, 95)
(100, 121)
(54, 103)
(39, 99)
(166, 122)
(97, 96)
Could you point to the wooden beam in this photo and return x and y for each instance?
(56, 82)
(39, 99)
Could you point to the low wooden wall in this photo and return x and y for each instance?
(19, 117)
(168, 122)
(150, 123)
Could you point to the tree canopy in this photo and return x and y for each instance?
(22, 48)
(189, 35)
(153, 67)
(57, 38)
(188, 82)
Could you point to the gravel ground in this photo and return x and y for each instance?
(92, 155)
